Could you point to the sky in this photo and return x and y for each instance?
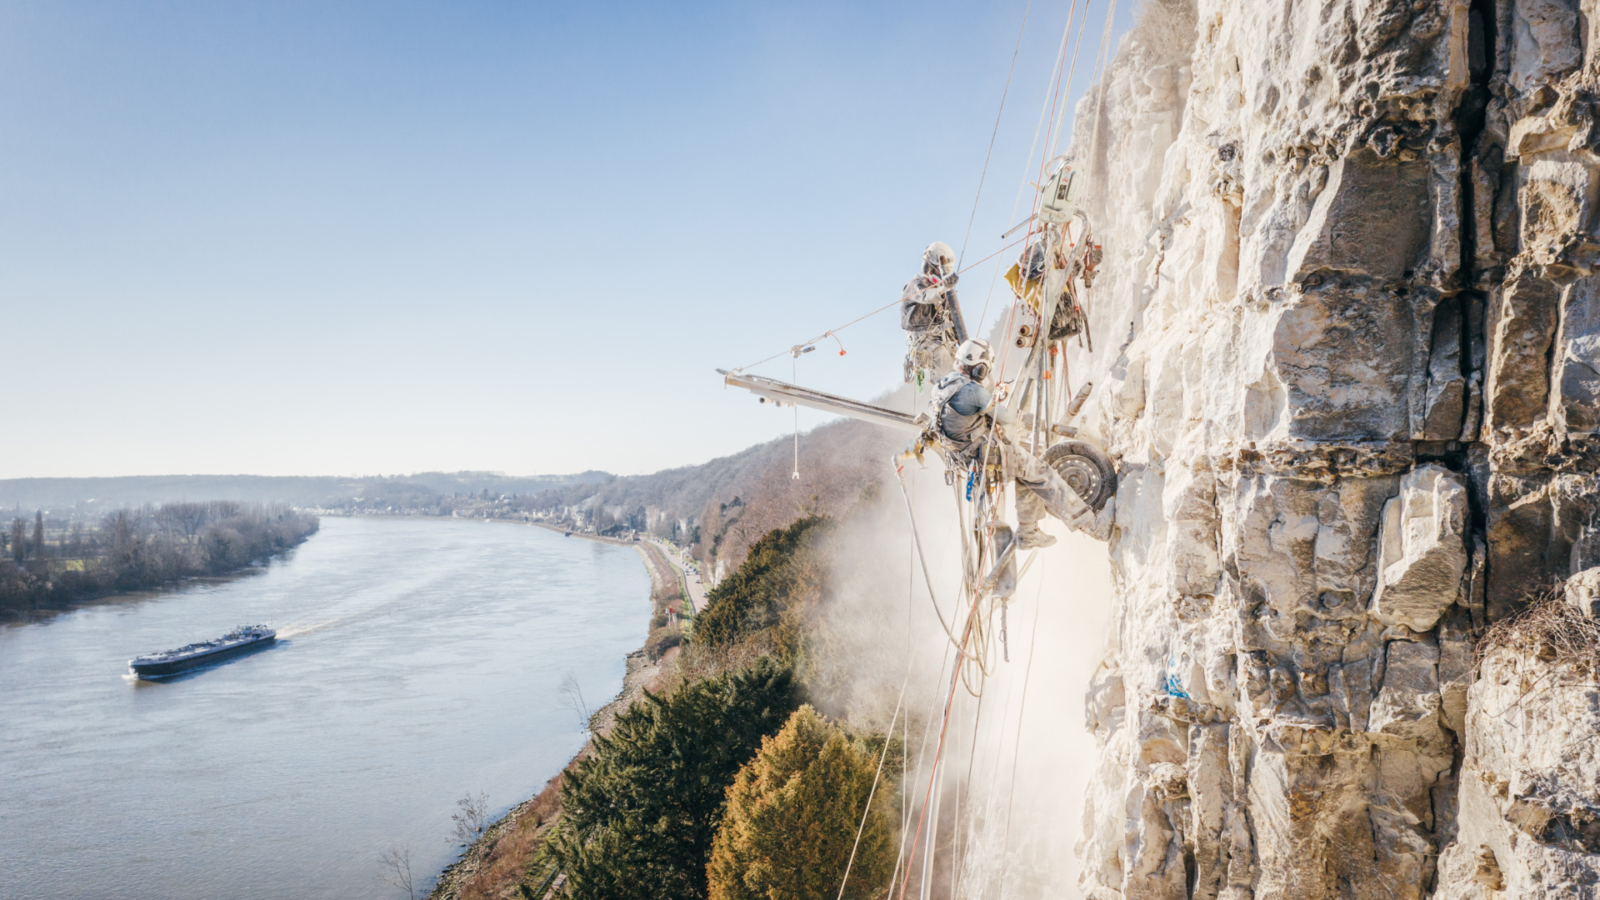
(359, 238)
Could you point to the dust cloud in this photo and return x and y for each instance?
(1008, 793)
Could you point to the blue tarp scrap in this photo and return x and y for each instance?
(1175, 687)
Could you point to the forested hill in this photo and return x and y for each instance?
(719, 507)
(330, 492)
(723, 506)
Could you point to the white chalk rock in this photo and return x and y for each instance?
(1422, 549)
(1583, 591)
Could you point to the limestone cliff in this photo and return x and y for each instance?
(1347, 355)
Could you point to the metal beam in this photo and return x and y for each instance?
(783, 392)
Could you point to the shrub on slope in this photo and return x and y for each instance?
(792, 819)
(640, 813)
(783, 572)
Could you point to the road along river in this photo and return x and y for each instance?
(418, 661)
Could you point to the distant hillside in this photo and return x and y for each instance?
(86, 495)
(723, 506)
(719, 507)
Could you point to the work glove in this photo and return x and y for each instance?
(951, 279)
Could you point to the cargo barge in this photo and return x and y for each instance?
(243, 639)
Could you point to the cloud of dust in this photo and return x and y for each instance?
(1009, 791)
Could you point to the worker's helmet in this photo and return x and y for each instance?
(975, 358)
(938, 259)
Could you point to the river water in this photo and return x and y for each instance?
(417, 661)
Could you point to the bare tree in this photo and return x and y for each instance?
(396, 864)
(471, 819)
(572, 698)
(188, 518)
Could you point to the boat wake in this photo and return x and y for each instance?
(309, 626)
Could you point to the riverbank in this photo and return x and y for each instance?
(420, 660)
(141, 595)
(499, 864)
(133, 554)
(693, 594)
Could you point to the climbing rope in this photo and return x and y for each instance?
(922, 753)
(916, 537)
(960, 835)
(887, 740)
(1100, 80)
(973, 650)
(794, 377)
(1005, 92)
(938, 752)
(1066, 94)
(1016, 745)
(1000, 732)
(834, 332)
(1038, 129)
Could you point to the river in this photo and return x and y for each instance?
(418, 661)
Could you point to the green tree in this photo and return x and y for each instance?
(639, 813)
(792, 818)
(781, 572)
(38, 534)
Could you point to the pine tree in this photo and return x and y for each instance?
(792, 818)
(639, 814)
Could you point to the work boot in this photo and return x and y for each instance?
(1030, 536)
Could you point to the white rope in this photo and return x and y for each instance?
(830, 333)
(916, 537)
(888, 738)
(834, 332)
(1016, 745)
(1100, 79)
(794, 377)
(995, 133)
(1066, 93)
(922, 753)
(940, 773)
(1038, 129)
(959, 838)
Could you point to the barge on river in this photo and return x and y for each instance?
(243, 639)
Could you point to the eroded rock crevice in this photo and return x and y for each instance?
(1351, 252)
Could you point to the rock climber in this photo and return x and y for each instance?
(931, 315)
(969, 414)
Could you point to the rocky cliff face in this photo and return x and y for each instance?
(1348, 358)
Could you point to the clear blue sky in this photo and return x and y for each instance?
(331, 238)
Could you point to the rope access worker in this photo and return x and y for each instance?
(968, 413)
(931, 315)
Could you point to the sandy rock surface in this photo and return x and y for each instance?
(1347, 358)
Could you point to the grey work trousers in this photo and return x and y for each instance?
(930, 350)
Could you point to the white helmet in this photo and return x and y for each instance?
(975, 358)
(939, 258)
